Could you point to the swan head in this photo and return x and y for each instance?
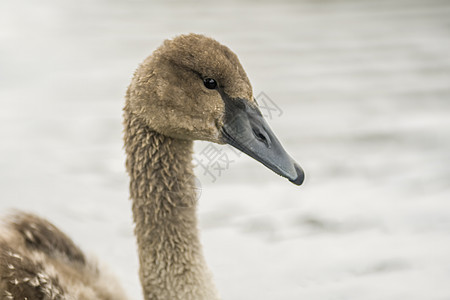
(192, 87)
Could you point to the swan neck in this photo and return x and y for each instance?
(163, 194)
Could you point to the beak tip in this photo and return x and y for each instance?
(300, 175)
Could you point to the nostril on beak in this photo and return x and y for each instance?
(261, 136)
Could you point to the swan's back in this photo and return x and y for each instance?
(38, 261)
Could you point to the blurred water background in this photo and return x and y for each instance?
(363, 95)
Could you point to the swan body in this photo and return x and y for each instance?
(191, 88)
(38, 261)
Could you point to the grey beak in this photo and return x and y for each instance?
(245, 129)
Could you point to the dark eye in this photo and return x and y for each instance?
(210, 83)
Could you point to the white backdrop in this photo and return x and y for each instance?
(363, 91)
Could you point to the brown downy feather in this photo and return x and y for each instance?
(38, 261)
(164, 207)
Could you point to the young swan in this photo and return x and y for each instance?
(191, 88)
